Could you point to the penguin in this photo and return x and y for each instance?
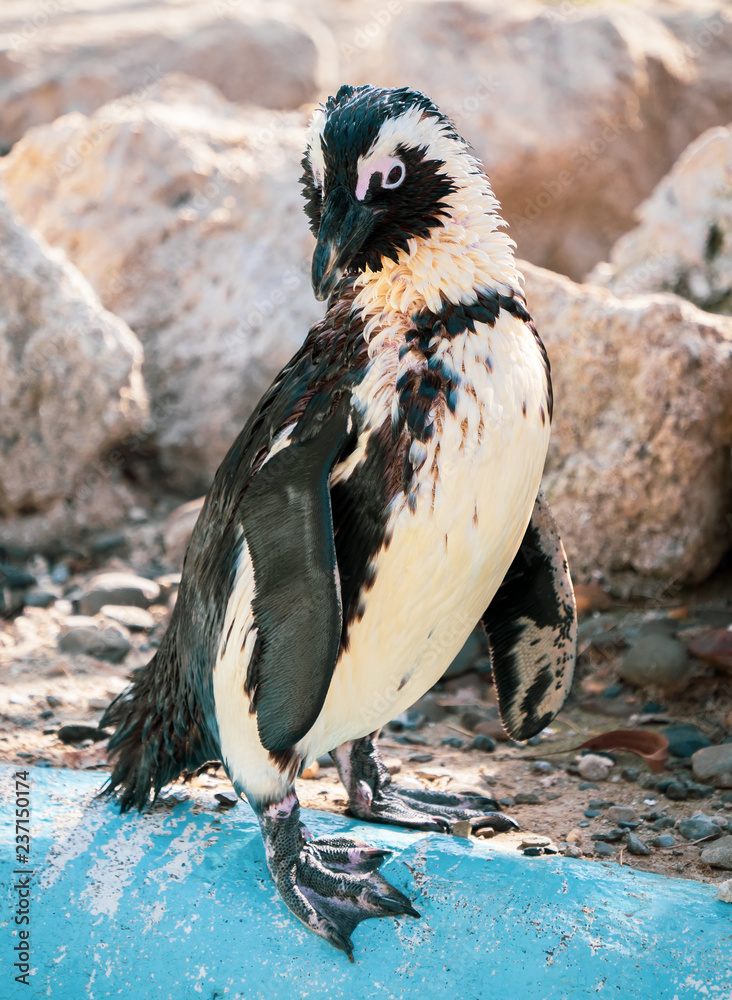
(382, 499)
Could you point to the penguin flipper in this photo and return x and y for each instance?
(287, 522)
(531, 625)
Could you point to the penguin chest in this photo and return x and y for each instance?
(449, 539)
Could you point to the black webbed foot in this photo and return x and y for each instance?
(372, 796)
(332, 883)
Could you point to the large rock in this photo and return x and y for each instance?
(67, 55)
(577, 112)
(70, 387)
(639, 462)
(684, 241)
(184, 212)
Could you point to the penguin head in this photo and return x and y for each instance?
(379, 170)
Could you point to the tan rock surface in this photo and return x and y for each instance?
(184, 212)
(577, 110)
(638, 473)
(70, 383)
(67, 55)
(684, 241)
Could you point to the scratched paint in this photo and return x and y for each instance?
(178, 903)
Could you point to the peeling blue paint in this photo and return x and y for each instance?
(178, 904)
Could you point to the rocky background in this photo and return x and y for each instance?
(154, 270)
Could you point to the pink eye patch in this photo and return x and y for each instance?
(392, 173)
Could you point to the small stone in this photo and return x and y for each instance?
(37, 598)
(676, 791)
(507, 802)
(453, 741)
(542, 767)
(612, 691)
(583, 822)
(609, 836)
(584, 785)
(534, 840)
(621, 814)
(118, 588)
(603, 850)
(53, 701)
(60, 574)
(469, 720)
(532, 852)
(625, 825)
(630, 773)
(656, 659)
(102, 643)
(527, 799)
(311, 771)
(715, 647)
(483, 743)
(77, 734)
(462, 828)
(719, 855)
(696, 791)
(407, 720)
(572, 851)
(599, 804)
(724, 891)
(647, 781)
(594, 768)
(553, 796)
(684, 740)
(421, 758)
(713, 765)
(575, 836)
(698, 827)
(664, 823)
(637, 846)
(226, 800)
(135, 619)
(137, 515)
(663, 840)
(592, 813)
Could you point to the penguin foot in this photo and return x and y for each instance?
(372, 796)
(332, 883)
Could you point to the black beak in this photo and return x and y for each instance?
(344, 227)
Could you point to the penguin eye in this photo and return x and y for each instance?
(395, 176)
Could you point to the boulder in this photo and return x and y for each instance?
(683, 243)
(638, 472)
(185, 214)
(70, 390)
(62, 56)
(576, 111)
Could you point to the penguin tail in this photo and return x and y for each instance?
(154, 740)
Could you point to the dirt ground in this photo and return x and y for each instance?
(42, 689)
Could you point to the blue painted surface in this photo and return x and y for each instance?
(178, 904)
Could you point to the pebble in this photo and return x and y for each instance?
(697, 791)
(527, 799)
(484, 743)
(102, 643)
(453, 741)
(719, 855)
(507, 802)
(684, 740)
(715, 647)
(637, 846)
(724, 891)
(676, 791)
(60, 574)
(118, 588)
(621, 814)
(599, 804)
(603, 850)
(575, 836)
(532, 852)
(37, 598)
(664, 823)
(584, 785)
(53, 701)
(535, 840)
(609, 836)
(407, 720)
(583, 822)
(594, 768)
(462, 828)
(492, 728)
(311, 771)
(591, 813)
(697, 827)
(714, 765)
(656, 659)
(422, 758)
(630, 773)
(542, 767)
(136, 619)
(663, 840)
(572, 851)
